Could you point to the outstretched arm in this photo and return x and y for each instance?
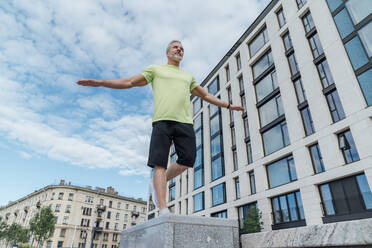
(122, 83)
(202, 93)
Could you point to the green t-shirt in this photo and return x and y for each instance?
(171, 87)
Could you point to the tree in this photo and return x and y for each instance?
(17, 234)
(42, 225)
(253, 222)
(3, 229)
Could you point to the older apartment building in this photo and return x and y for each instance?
(301, 151)
(77, 210)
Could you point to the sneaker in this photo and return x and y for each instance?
(153, 193)
(164, 212)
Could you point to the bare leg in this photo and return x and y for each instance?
(160, 181)
(174, 170)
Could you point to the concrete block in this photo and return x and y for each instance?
(182, 231)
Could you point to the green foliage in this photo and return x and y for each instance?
(253, 222)
(3, 229)
(42, 225)
(15, 233)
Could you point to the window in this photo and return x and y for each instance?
(198, 121)
(346, 199)
(229, 97)
(246, 127)
(235, 159)
(237, 187)
(62, 233)
(85, 222)
(307, 120)
(244, 213)
(316, 158)
(335, 106)
(110, 204)
(347, 147)
(108, 214)
(172, 192)
(105, 237)
(344, 23)
(198, 202)
(227, 71)
(325, 74)
(107, 225)
(115, 236)
(333, 4)
(222, 214)
(218, 194)
(316, 46)
(258, 42)
(308, 22)
(287, 42)
(271, 110)
(49, 244)
(89, 199)
(233, 137)
(238, 62)
(119, 205)
(281, 172)
(126, 217)
(58, 207)
(60, 196)
(68, 209)
(366, 85)
(217, 169)
(198, 178)
(366, 38)
(197, 105)
(70, 196)
(275, 138)
(359, 9)
(287, 208)
(301, 3)
(87, 211)
(126, 206)
(241, 88)
(248, 147)
(264, 63)
(117, 216)
(53, 194)
(214, 86)
(293, 64)
(60, 244)
(65, 220)
(300, 92)
(252, 182)
(265, 86)
(281, 18)
(198, 165)
(356, 52)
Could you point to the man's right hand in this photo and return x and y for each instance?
(90, 82)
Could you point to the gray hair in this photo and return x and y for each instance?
(170, 43)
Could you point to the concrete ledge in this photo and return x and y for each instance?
(347, 233)
(182, 231)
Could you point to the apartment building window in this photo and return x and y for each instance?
(252, 182)
(187, 206)
(316, 46)
(135, 207)
(65, 220)
(105, 236)
(287, 42)
(300, 3)
(238, 62)
(265, 62)
(107, 225)
(60, 196)
(346, 199)
(235, 158)
(52, 197)
(258, 42)
(198, 165)
(308, 22)
(281, 172)
(60, 244)
(108, 214)
(197, 105)
(237, 187)
(356, 52)
(325, 74)
(246, 127)
(89, 199)
(198, 202)
(316, 158)
(172, 190)
(365, 84)
(101, 202)
(229, 98)
(81, 245)
(288, 209)
(110, 204)
(58, 208)
(347, 147)
(281, 17)
(126, 217)
(300, 92)
(241, 88)
(307, 120)
(335, 106)
(221, 214)
(216, 142)
(266, 86)
(119, 205)
(293, 64)
(214, 86)
(115, 237)
(227, 71)
(276, 138)
(49, 244)
(117, 216)
(218, 194)
(70, 196)
(244, 213)
(85, 222)
(68, 209)
(87, 211)
(63, 232)
(271, 110)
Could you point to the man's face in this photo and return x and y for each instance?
(175, 51)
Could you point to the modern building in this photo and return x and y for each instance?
(77, 211)
(301, 152)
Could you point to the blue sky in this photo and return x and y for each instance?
(51, 128)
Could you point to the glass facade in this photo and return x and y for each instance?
(199, 160)
(281, 172)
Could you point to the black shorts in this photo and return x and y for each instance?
(183, 137)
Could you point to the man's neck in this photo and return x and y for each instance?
(173, 62)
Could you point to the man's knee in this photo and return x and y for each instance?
(182, 167)
(159, 168)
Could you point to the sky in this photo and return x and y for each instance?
(51, 128)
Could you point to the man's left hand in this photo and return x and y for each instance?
(236, 107)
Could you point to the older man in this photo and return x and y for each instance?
(172, 120)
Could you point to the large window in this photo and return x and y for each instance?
(271, 110)
(198, 165)
(214, 86)
(237, 187)
(218, 194)
(172, 190)
(199, 202)
(357, 54)
(325, 74)
(316, 158)
(346, 199)
(245, 213)
(222, 214)
(275, 138)
(252, 182)
(281, 172)
(316, 46)
(281, 17)
(287, 42)
(359, 9)
(264, 63)
(300, 92)
(238, 62)
(308, 22)
(307, 120)
(347, 147)
(267, 85)
(227, 71)
(288, 208)
(301, 3)
(293, 64)
(258, 42)
(335, 106)
(365, 81)
(218, 169)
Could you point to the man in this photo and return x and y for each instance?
(172, 120)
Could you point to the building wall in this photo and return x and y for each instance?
(358, 118)
(72, 226)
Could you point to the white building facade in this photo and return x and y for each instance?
(76, 211)
(301, 152)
